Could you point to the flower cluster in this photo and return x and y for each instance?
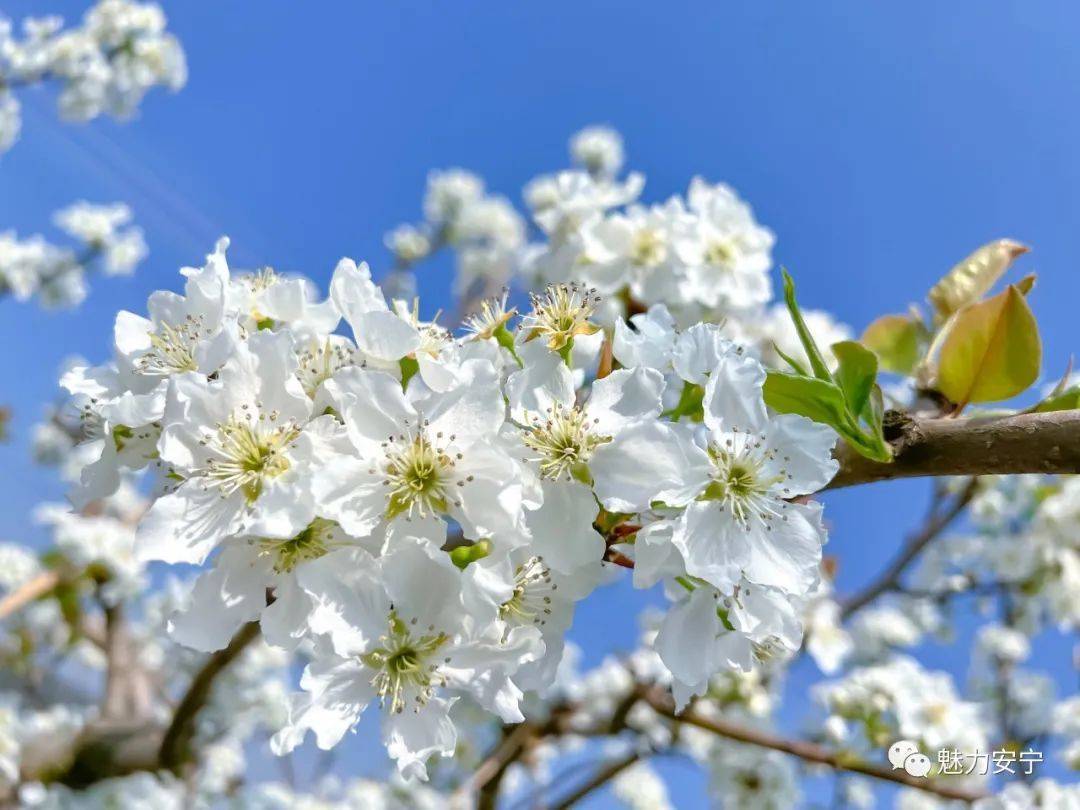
(105, 238)
(106, 65)
(701, 257)
(483, 229)
(425, 510)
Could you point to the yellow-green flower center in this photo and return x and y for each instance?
(649, 248)
(172, 349)
(418, 477)
(530, 602)
(245, 451)
(564, 441)
(310, 544)
(743, 480)
(406, 669)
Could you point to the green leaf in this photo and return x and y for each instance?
(897, 340)
(992, 350)
(973, 278)
(874, 412)
(1067, 400)
(815, 399)
(817, 362)
(463, 556)
(856, 373)
(409, 368)
(689, 404)
(824, 402)
(796, 366)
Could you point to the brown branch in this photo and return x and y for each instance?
(807, 751)
(117, 662)
(889, 579)
(28, 592)
(488, 777)
(598, 780)
(1004, 445)
(176, 744)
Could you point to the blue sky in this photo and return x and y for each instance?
(882, 143)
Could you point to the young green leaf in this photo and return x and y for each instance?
(992, 350)
(855, 374)
(1067, 400)
(973, 278)
(897, 340)
(815, 399)
(817, 361)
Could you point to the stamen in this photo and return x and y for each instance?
(530, 602)
(564, 440)
(418, 476)
(172, 349)
(246, 451)
(404, 670)
(560, 314)
(313, 542)
(740, 483)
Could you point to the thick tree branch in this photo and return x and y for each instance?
(807, 751)
(937, 521)
(175, 745)
(1004, 445)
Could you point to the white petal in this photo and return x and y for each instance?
(649, 462)
(562, 529)
(803, 449)
(733, 395)
(625, 396)
(385, 336)
(185, 525)
(713, 545)
(412, 737)
(228, 595)
(655, 556)
(788, 556)
(349, 605)
(543, 381)
(698, 352)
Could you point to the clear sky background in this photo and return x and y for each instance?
(882, 143)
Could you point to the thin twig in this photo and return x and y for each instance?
(598, 780)
(807, 751)
(488, 777)
(175, 745)
(937, 521)
(28, 592)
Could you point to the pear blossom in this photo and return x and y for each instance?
(411, 653)
(733, 479)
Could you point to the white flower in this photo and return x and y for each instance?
(10, 120)
(730, 252)
(707, 632)
(449, 192)
(826, 640)
(401, 633)
(420, 454)
(235, 590)
(563, 202)
(564, 435)
(599, 150)
(528, 592)
(238, 450)
(734, 477)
